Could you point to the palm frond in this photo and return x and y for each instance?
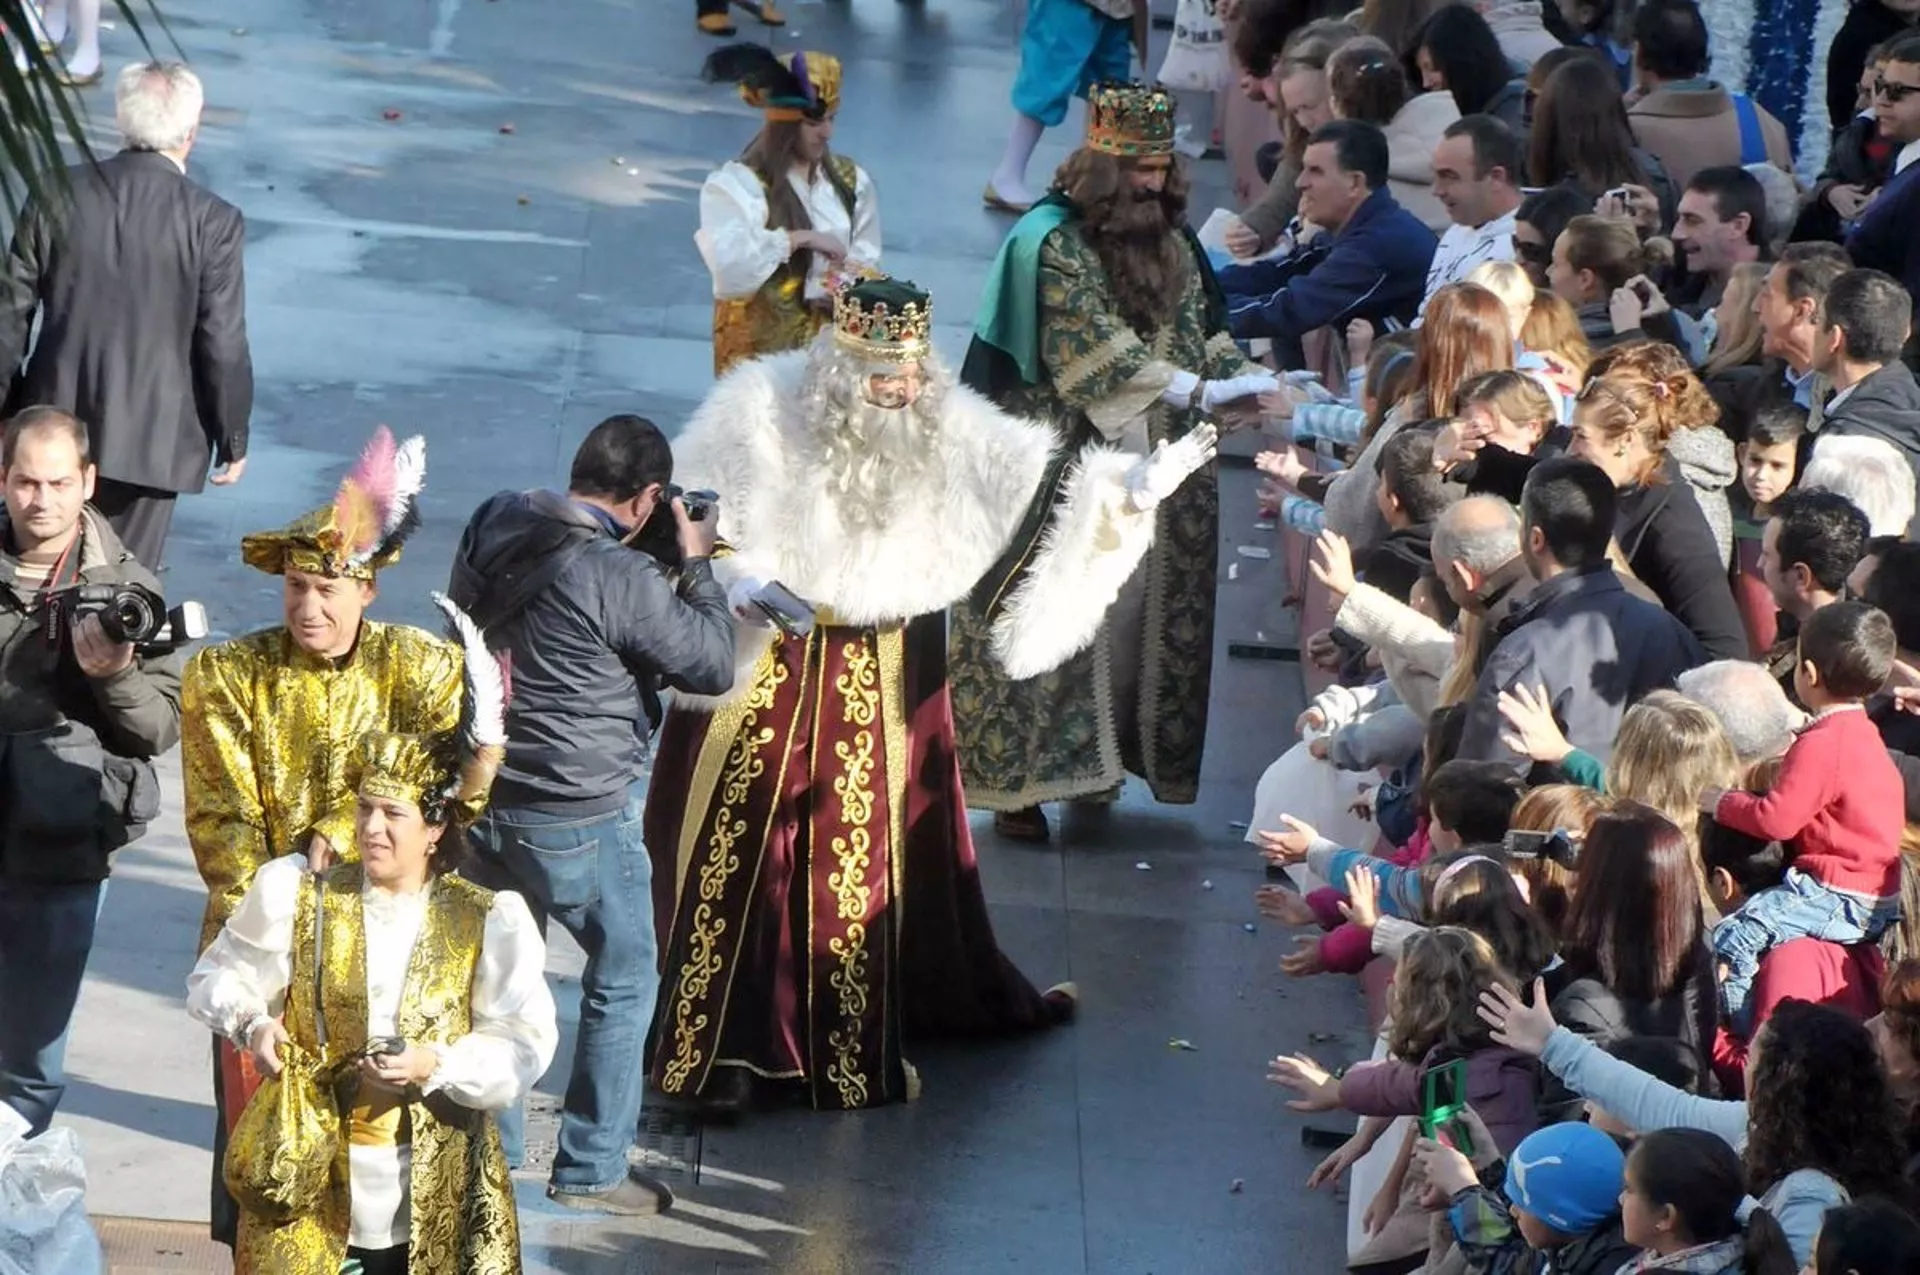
(41, 120)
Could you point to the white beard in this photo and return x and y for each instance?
(880, 515)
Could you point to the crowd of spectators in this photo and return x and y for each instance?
(1604, 433)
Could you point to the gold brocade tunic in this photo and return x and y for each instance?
(266, 731)
(463, 1220)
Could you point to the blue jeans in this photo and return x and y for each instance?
(46, 935)
(1799, 907)
(593, 876)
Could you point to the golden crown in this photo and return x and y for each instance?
(888, 320)
(1130, 119)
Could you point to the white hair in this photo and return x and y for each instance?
(157, 105)
(1752, 709)
(1871, 472)
(875, 455)
(1481, 531)
(1783, 200)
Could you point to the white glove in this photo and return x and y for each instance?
(1153, 478)
(1218, 394)
(740, 595)
(1180, 392)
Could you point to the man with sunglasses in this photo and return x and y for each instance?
(1882, 237)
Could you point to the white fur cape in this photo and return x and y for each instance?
(779, 510)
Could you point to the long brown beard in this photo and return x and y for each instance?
(1139, 246)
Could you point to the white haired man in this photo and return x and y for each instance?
(138, 282)
(800, 945)
(1752, 708)
(1870, 472)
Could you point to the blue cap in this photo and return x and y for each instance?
(1567, 1175)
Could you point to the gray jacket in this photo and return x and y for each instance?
(1594, 646)
(76, 769)
(592, 629)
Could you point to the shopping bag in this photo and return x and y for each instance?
(1196, 60)
(43, 1211)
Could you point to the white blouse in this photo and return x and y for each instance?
(742, 253)
(514, 1034)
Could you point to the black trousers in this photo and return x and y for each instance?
(140, 516)
(376, 1261)
(225, 1214)
(704, 7)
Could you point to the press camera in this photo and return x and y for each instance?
(134, 613)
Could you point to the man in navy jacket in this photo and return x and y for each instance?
(1371, 262)
(1882, 236)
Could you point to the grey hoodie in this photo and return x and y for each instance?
(1705, 457)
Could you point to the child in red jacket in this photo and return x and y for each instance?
(1839, 799)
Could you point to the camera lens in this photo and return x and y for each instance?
(127, 619)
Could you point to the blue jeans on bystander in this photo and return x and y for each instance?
(592, 875)
(46, 935)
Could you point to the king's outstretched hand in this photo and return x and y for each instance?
(1153, 478)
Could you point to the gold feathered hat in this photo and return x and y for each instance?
(447, 775)
(362, 529)
(802, 86)
(883, 319)
(1130, 120)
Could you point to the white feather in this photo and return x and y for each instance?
(487, 713)
(409, 476)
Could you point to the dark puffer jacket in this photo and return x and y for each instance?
(593, 628)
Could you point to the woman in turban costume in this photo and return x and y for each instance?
(780, 223)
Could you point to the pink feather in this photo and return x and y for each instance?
(374, 475)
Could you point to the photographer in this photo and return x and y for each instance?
(81, 717)
(591, 627)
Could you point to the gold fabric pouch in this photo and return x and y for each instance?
(284, 1144)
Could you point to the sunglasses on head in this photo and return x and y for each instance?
(1893, 90)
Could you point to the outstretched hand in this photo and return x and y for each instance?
(1531, 730)
(1289, 845)
(1516, 1024)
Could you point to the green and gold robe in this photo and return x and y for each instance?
(1051, 345)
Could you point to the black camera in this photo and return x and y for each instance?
(699, 504)
(134, 613)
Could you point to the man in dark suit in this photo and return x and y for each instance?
(138, 282)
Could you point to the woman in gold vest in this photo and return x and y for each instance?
(787, 217)
(424, 994)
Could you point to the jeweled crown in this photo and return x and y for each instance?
(888, 320)
(1130, 119)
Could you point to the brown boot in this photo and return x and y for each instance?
(717, 24)
(1022, 825)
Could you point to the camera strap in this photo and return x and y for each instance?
(53, 585)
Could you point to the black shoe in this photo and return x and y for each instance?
(639, 1196)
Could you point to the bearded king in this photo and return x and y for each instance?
(817, 881)
(1103, 319)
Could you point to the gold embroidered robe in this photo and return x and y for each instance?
(463, 1220)
(265, 734)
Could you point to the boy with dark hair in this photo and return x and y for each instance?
(1839, 798)
(1409, 495)
(1769, 467)
(1472, 803)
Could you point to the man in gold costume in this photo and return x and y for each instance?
(824, 902)
(777, 224)
(425, 995)
(1103, 319)
(270, 720)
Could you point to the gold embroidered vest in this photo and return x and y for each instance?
(777, 317)
(463, 1218)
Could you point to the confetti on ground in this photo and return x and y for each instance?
(1322, 1038)
(1184, 1046)
(1236, 1186)
(506, 128)
(1233, 571)
(1238, 825)
(389, 115)
(523, 201)
(1206, 885)
(1143, 866)
(1250, 928)
(633, 172)
(619, 161)
(1259, 553)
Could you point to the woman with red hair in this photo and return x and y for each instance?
(1465, 332)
